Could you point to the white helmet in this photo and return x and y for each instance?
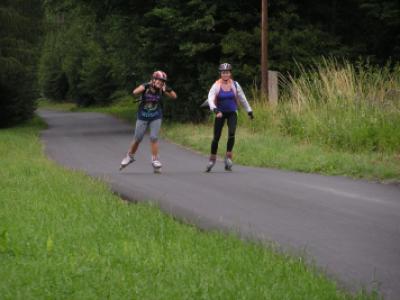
(225, 67)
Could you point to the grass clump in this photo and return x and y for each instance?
(347, 107)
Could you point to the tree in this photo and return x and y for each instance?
(382, 22)
(19, 34)
(101, 44)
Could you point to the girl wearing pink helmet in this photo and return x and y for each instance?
(149, 116)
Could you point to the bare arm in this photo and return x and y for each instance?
(138, 90)
(171, 93)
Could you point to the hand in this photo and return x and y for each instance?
(251, 116)
(217, 113)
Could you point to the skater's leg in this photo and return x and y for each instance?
(155, 161)
(154, 150)
(154, 131)
(211, 162)
(134, 146)
(140, 130)
(218, 125)
(155, 126)
(232, 122)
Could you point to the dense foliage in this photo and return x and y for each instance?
(93, 50)
(19, 32)
(101, 47)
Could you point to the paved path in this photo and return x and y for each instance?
(350, 228)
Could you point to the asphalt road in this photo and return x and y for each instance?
(348, 228)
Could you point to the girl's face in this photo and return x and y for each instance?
(159, 84)
(226, 75)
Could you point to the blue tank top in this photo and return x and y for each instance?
(226, 101)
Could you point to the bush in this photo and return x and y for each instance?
(18, 57)
(96, 84)
(16, 99)
(53, 81)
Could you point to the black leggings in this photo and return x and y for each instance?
(231, 118)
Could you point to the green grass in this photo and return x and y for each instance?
(62, 106)
(269, 149)
(64, 235)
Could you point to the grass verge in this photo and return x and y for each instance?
(267, 147)
(64, 235)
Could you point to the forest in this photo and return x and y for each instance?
(92, 52)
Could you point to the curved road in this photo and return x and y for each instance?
(349, 228)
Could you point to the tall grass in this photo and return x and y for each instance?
(343, 106)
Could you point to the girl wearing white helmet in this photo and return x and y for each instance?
(149, 116)
(223, 99)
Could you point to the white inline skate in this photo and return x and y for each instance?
(128, 159)
(210, 165)
(228, 164)
(156, 166)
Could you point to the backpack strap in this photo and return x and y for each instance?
(146, 87)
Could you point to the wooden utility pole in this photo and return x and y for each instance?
(264, 48)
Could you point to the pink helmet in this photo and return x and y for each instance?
(160, 75)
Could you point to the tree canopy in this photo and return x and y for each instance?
(19, 32)
(92, 49)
